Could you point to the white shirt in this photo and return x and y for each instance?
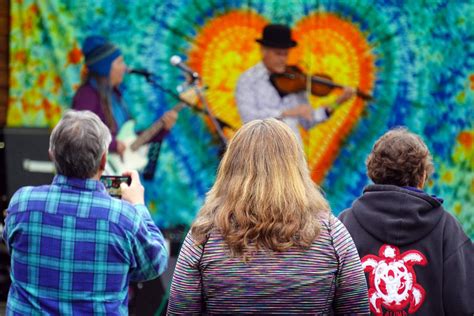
(257, 98)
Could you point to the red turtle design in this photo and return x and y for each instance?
(392, 280)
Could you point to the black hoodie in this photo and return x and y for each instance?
(416, 257)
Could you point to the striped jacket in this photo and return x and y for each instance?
(324, 279)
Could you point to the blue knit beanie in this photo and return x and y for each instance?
(99, 54)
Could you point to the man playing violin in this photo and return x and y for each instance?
(258, 98)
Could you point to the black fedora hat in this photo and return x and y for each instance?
(277, 36)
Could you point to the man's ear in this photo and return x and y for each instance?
(103, 161)
(423, 181)
(50, 155)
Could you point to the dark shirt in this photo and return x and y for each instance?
(416, 256)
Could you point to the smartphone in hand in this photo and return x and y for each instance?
(112, 184)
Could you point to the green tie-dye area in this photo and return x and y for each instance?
(416, 58)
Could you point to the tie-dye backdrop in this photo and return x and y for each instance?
(416, 58)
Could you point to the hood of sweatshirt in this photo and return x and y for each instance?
(397, 215)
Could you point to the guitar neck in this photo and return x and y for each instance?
(154, 129)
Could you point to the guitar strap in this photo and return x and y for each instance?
(153, 155)
(119, 107)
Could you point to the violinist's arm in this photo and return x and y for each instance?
(304, 111)
(324, 112)
(307, 116)
(347, 93)
(317, 116)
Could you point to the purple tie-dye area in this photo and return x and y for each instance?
(416, 58)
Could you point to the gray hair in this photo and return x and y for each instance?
(77, 144)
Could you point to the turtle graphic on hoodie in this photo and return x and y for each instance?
(416, 257)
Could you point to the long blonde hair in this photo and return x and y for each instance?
(263, 197)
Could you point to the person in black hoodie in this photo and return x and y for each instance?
(416, 257)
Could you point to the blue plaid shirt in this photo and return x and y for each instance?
(74, 249)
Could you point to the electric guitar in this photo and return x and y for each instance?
(135, 156)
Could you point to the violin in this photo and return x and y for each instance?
(295, 80)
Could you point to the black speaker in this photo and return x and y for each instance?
(26, 158)
(3, 178)
(4, 272)
(151, 298)
(4, 256)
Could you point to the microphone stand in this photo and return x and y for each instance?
(214, 121)
(150, 78)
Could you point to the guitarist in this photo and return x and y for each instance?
(100, 91)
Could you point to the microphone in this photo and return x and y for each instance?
(140, 72)
(177, 62)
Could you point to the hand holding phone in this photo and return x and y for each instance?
(112, 184)
(133, 192)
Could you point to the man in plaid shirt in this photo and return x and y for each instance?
(74, 248)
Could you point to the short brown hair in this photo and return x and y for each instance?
(399, 157)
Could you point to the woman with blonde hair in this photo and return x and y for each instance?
(265, 240)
